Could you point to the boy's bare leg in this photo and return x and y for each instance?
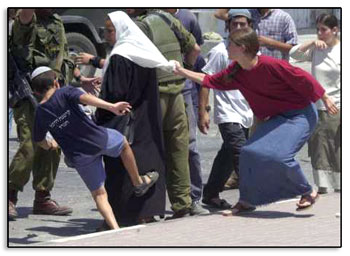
(129, 162)
(101, 198)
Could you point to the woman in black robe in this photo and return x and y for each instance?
(124, 80)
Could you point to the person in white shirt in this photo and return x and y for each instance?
(324, 145)
(233, 115)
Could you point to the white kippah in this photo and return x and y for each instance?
(39, 71)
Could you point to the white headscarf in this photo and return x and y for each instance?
(133, 44)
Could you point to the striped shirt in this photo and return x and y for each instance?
(277, 25)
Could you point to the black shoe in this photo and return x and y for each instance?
(217, 202)
(142, 189)
(180, 214)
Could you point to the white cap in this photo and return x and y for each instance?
(39, 71)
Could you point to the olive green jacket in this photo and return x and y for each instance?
(42, 43)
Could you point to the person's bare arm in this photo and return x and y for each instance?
(191, 56)
(26, 16)
(203, 114)
(119, 108)
(318, 44)
(194, 76)
(221, 14)
(283, 47)
(84, 59)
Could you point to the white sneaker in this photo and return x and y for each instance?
(197, 209)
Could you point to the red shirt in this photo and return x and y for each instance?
(271, 87)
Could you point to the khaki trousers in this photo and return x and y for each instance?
(29, 157)
(176, 139)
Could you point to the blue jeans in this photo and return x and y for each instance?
(194, 157)
(227, 159)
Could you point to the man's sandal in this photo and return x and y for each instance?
(237, 209)
(142, 189)
(306, 202)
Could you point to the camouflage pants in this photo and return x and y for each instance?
(30, 157)
(176, 139)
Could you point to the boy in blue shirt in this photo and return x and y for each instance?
(82, 141)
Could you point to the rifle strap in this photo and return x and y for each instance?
(171, 25)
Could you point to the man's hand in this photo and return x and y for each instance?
(203, 122)
(91, 85)
(83, 58)
(120, 108)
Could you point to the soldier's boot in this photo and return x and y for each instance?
(12, 213)
(43, 204)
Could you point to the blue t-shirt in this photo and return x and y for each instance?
(189, 21)
(78, 136)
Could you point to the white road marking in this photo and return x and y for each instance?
(96, 234)
(287, 201)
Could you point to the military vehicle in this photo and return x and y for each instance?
(84, 32)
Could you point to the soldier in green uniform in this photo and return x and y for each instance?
(175, 43)
(38, 39)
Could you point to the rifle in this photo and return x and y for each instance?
(19, 86)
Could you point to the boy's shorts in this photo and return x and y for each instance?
(94, 174)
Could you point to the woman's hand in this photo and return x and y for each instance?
(203, 122)
(83, 58)
(181, 71)
(120, 108)
(319, 44)
(178, 68)
(330, 106)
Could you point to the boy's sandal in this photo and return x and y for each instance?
(217, 203)
(142, 189)
(237, 209)
(306, 201)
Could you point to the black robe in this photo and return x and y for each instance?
(127, 81)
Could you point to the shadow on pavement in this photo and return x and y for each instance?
(269, 215)
(73, 227)
(24, 240)
(24, 212)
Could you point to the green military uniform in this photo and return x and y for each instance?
(40, 43)
(175, 123)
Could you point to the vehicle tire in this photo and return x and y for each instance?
(79, 43)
